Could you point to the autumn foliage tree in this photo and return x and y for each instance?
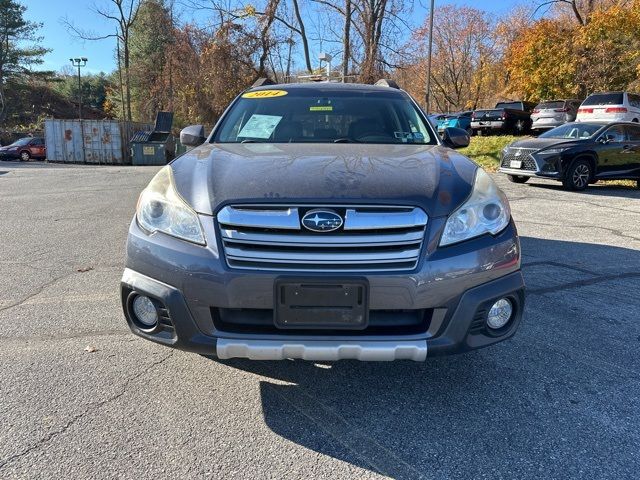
(555, 58)
(541, 63)
(464, 58)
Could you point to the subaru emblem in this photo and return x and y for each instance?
(321, 220)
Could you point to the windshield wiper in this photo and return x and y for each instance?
(342, 140)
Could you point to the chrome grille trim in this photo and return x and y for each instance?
(345, 240)
(355, 220)
(270, 237)
(286, 219)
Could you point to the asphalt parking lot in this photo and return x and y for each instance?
(560, 400)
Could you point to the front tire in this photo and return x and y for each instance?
(578, 176)
(517, 178)
(25, 156)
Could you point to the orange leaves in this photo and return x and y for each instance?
(554, 58)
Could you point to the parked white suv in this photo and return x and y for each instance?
(553, 113)
(610, 107)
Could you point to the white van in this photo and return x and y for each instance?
(610, 107)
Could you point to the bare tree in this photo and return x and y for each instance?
(581, 10)
(123, 13)
(377, 26)
(346, 39)
(235, 11)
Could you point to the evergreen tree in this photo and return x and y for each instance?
(19, 47)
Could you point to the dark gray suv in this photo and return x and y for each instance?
(323, 221)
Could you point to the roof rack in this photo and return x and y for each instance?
(262, 82)
(383, 82)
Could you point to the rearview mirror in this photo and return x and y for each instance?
(192, 136)
(455, 137)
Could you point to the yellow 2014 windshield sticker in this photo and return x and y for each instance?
(321, 108)
(265, 94)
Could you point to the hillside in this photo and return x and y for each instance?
(27, 105)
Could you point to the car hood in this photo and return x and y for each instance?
(540, 143)
(433, 177)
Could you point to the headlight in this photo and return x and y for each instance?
(161, 209)
(486, 211)
(552, 151)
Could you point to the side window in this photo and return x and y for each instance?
(634, 133)
(634, 100)
(618, 132)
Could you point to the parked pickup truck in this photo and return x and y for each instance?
(506, 117)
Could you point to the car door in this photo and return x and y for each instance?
(632, 152)
(612, 151)
(634, 106)
(36, 147)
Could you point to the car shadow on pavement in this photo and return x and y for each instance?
(508, 411)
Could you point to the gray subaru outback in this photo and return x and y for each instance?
(323, 221)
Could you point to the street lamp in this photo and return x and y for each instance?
(325, 57)
(79, 63)
(428, 93)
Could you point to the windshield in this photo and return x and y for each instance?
(572, 130)
(550, 105)
(324, 115)
(604, 99)
(20, 143)
(514, 105)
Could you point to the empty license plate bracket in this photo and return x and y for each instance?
(321, 304)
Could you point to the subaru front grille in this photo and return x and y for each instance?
(371, 238)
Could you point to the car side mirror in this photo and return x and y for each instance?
(192, 136)
(455, 137)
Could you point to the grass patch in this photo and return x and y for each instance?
(486, 150)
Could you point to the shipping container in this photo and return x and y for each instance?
(97, 142)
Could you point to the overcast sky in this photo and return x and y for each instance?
(101, 53)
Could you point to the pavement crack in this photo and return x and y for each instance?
(560, 265)
(613, 231)
(38, 291)
(582, 201)
(87, 411)
(71, 336)
(582, 283)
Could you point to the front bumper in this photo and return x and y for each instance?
(4, 155)
(456, 329)
(529, 173)
(456, 285)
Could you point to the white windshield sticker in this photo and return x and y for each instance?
(260, 126)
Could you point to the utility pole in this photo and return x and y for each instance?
(428, 93)
(79, 63)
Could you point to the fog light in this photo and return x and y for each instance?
(145, 311)
(500, 314)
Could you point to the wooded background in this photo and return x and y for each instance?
(168, 61)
